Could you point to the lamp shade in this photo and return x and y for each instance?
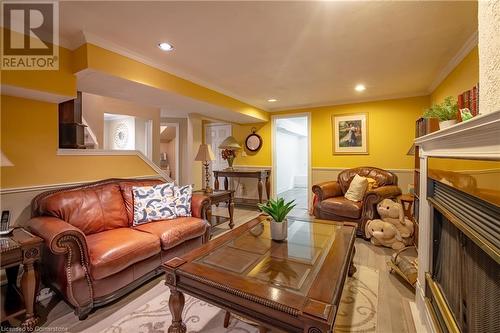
(4, 161)
(205, 153)
(230, 143)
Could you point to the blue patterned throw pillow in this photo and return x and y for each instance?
(153, 203)
(183, 195)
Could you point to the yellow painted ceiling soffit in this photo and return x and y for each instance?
(97, 58)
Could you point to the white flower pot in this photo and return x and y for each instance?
(447, 123)
(279, 230)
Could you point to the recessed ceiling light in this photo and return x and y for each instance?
(165, 46)
(360, 87)
(272, 100)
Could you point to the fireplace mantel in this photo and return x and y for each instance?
(476, 139)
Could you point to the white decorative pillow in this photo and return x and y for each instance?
(183, 195)
(153, 203)
(357, 188)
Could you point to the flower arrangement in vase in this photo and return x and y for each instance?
(229, 155)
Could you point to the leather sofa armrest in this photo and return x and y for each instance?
(56, 233)
(327, 190)
(199, 205)
(383, 192)
(373, 197)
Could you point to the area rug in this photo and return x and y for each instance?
(357, 312)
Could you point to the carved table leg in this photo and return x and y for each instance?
(268, 187)
(352, 268)
(216, 186)
(29, 288)
(216, 182)
(259, 188)
(226, 183)
(208, 214)
(227, 317)
(231, 212)
(176, 305)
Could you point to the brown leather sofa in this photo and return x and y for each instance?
(332, 205)
(93, 254)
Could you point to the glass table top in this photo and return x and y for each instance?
(291, 264)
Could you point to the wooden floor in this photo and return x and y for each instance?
(394, 295)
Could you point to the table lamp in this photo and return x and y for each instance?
(205, 155)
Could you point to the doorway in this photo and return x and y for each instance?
(169, 150)
(214, 135)
(291, 160)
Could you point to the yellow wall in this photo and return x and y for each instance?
(462, 78)
(60, 82)
(29, 138)
(391, 130)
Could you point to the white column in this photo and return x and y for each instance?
(489, 55)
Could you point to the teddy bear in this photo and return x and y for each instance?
(385, 234)
(392, 212)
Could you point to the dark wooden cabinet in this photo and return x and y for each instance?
(71, 127)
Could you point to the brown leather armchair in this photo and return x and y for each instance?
(332, 205)
(93, 254)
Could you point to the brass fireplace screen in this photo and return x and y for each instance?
(463, 287)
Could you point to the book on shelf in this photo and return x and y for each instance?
(469, 99)
(425, 126)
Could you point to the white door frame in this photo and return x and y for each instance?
(177, 152)
(273, 147)
(211, 125)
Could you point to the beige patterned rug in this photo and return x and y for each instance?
(357, 312)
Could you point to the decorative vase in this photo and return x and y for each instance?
(230, 161)
(447, 123)
(279, 230)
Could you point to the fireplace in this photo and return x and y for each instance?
(463, 281)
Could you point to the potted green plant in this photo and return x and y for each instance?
(278, 210)
(446, 112)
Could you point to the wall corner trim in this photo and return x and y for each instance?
(105, 152)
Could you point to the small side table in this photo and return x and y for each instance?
(216, 197)
(407, 202)
(20, 248)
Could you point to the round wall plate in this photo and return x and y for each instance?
(253, 142)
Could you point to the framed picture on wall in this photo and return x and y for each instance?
(350, 133)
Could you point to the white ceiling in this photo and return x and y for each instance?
(302, 53)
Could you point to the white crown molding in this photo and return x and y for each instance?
(469, 44)
(114, 47)
(350, 101)
(37, 95)
(49, 187)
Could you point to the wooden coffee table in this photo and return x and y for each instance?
(294, 285)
